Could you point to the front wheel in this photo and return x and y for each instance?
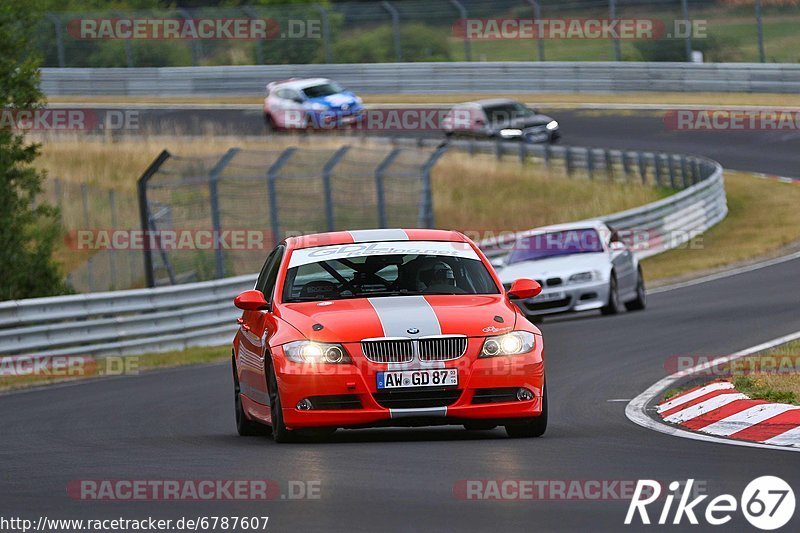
(612, 307)
(641, 295)
(280, 433)
(530, 427)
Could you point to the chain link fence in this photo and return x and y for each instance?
(417, 30)
(217, 216)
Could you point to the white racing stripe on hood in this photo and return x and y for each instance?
(399, 313)
(367, 235)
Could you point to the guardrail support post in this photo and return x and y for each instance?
(523, 152)
(144, 213)
(695, 170)
(590, 163)
(609, 164)
(642, 167)
(213, 194)
(272, 177)
(327, 170)
(684, 172)
(379, 192)
(657, 163)
(112, 256)
(547, 155)
(426, 219)
(398, 48)
(90, 261)
(568, 161)
(671, 168)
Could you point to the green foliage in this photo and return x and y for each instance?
(418, 42)
(28, 232)
(715, 49)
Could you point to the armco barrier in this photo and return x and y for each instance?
(165, 318)
(455, 77)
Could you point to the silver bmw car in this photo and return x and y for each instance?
(581, 266)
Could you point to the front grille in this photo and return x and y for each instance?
(442, 348)
(498, 395)
(554, 282)
(336, 401)
(388, 350)
(417, 398)
(552, 304)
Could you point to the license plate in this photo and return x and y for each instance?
(418, 378)
(549, 296)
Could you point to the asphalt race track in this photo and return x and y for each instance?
(178, 424)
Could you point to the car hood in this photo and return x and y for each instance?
(392, 316)
(336, 101)
(563, 266)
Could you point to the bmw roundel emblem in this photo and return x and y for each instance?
(413, 331)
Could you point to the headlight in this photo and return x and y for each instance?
(552, 125)
(510, 132)
(359, 101)
(316, 352)
(512, 343)
(318, 107)
(584, 277)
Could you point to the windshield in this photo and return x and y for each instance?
(506, 112)
(323, 89)
(556, 243)
(371, 275)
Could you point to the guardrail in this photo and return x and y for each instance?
(146, 320)
(456, 77)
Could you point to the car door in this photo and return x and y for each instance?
(255, 329)
(624, 264)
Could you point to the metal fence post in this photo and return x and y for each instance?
(590, 163)
(671, 168)
(523, 152)
(213, 196)
(684, 171)
(196, 46)
(380, 170)
(568, 161)
(398, 49)
(144, 213)
(251, 14)
(327, 170)
(59, 38)
(537, 16)
(547, 155)
(326, 32)
(112, 257)
(127, 45)
(612, 14)
(89, 262)
(272, 177)
(609, 164)
(688, 39)
(657, 164)
(426, 218)
(462, 13)
(760, 28)
(642, 163)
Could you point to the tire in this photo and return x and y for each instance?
(640, 303)
(612, 307)
(280, 434)
(244, 426)
(531, 427)
(269, 123)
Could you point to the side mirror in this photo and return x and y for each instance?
(251, 300)
(524, 288)
(616, 246)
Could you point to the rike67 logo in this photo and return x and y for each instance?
(767, 503)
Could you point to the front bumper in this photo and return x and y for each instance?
(567, 298)
(484, 391)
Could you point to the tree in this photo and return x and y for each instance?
(28, 232)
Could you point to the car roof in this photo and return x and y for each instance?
(299, 83)
(373, 235)
(489, 102)
(598, 225)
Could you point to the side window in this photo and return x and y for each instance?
(266, 280)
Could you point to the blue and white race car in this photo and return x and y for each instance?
(310, 103)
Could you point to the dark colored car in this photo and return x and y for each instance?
(500, 118)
